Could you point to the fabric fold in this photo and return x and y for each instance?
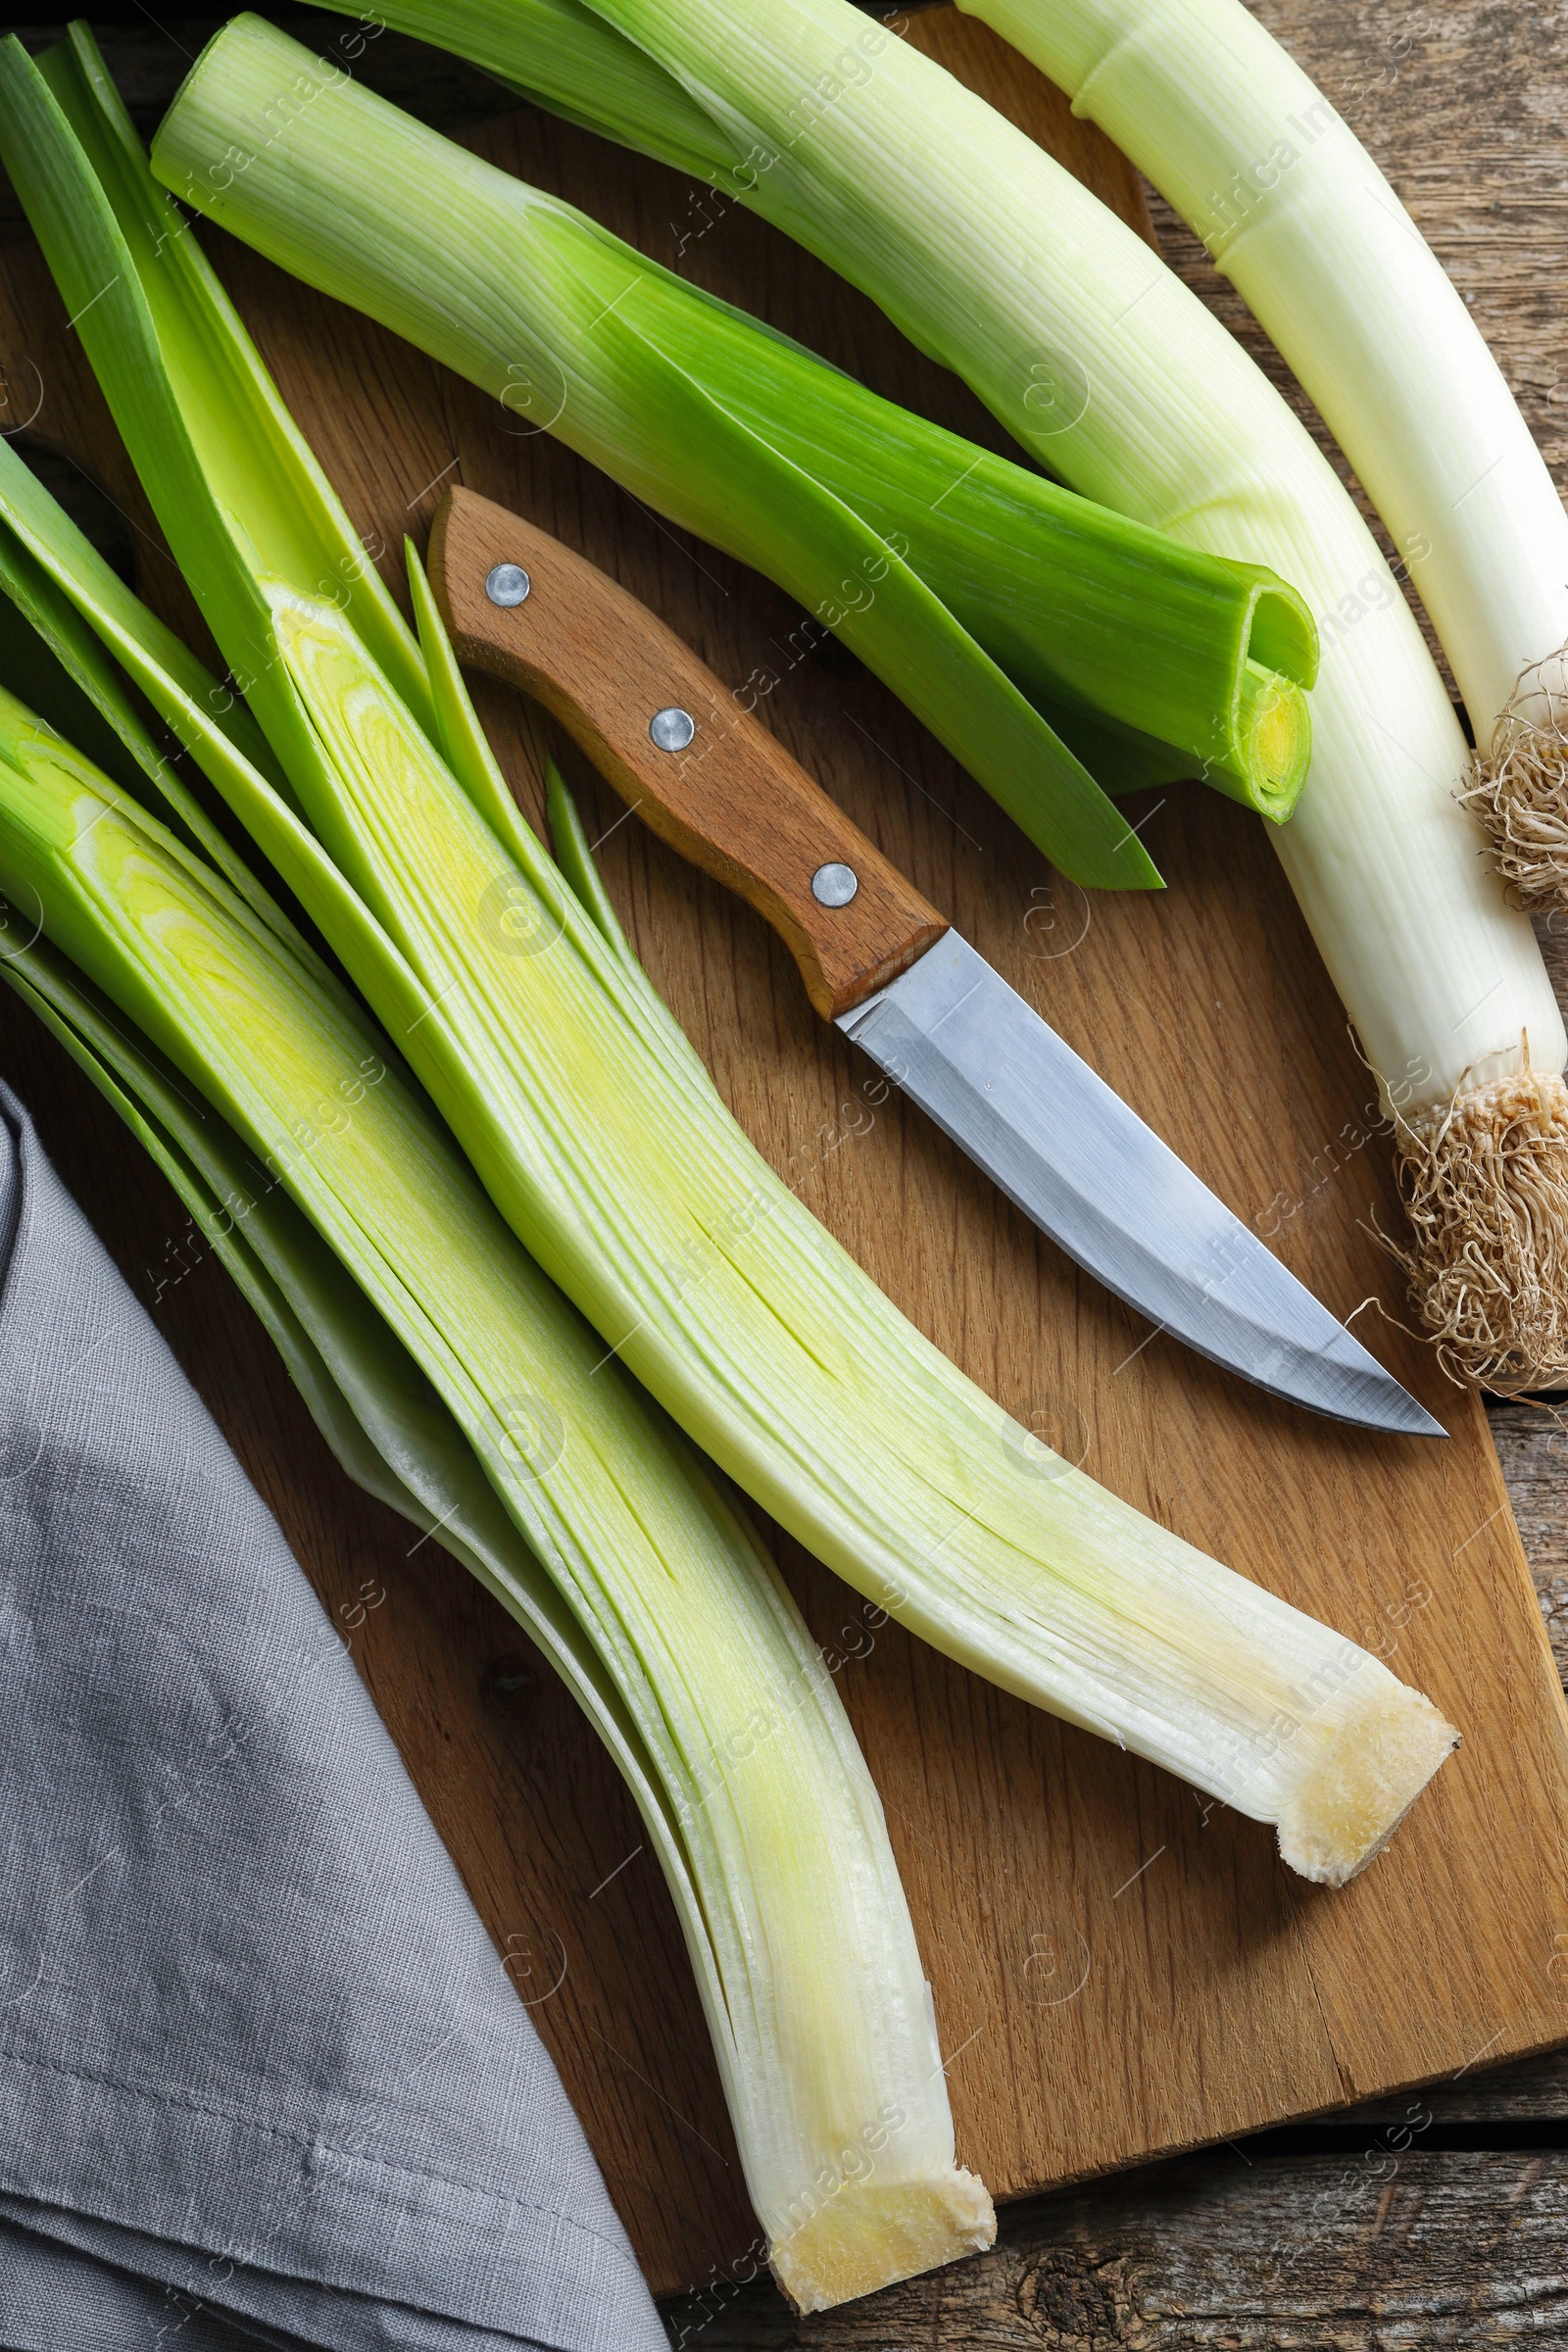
(258, 2059)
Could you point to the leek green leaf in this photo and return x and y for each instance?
(991, 584)
(1077, 605)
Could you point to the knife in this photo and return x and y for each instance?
(888, 968)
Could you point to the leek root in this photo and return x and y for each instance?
(1520, 785)
(1485, 1182)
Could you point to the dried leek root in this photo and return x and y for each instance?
(597, 1132)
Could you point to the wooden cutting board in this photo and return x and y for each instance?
(1120, 1967)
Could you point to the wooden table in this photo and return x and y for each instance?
(1441, 2217)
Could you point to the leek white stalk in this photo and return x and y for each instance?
(1298, 216)
(473, 1398)
(598, 1134)
(998, 262)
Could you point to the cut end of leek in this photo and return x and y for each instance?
(1485, 1180)
(1273, 736)
(1359, 1788)
(1520, 786)
(873, 2233)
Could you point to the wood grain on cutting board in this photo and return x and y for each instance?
(1119, 1966)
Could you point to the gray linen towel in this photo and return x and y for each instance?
(262, 2076)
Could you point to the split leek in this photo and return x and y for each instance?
(1295, 213)
(996, 260)
(599, 1136)
(803, 1947)
(471, 1396)
(891, 529)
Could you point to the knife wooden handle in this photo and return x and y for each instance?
(726, 793)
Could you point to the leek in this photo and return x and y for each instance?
(995, 260)
(600, 1137)
(398, 1310)
(1295, 213)
(1300, 219)
(471, 1396)
(867, 513)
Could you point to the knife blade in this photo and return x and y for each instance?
(889, 969)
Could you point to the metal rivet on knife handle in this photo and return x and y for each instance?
(834, 885)
(681, 745)
(507, 584)
(672, 729)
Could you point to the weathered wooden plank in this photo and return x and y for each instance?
(1498, 2103)
(1388, 2247)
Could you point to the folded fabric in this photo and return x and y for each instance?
(261, 2075)
(50, 2295)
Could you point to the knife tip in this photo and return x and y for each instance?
(1402, 1416)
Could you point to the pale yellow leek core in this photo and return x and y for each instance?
(1274, 713)
(870, 2234)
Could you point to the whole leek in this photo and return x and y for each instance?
(599, 1136)
(463, 1389)
(994, 259)
(1298, 216)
